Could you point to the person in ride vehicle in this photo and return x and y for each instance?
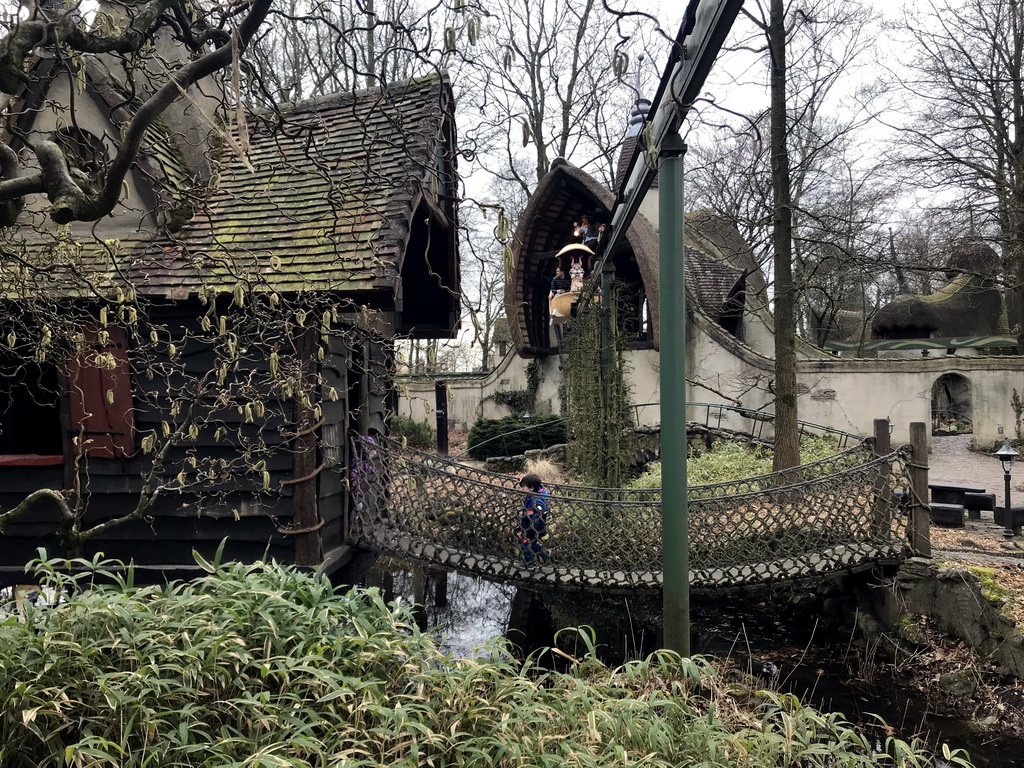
(559, 283)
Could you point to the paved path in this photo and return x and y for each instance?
(953, 461)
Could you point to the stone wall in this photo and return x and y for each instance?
(951, 596)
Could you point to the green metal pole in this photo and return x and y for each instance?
(672, 313)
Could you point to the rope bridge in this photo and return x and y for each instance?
(843, 512)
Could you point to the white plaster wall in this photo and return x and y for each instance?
(644, 371)
(900, 390)
(468, 395)
(132, 212)
(840, 393)
(650, 207)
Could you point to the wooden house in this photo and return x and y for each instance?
(195, 361)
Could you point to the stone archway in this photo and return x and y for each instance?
(952, 409)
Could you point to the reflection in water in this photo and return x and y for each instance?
(465, 613)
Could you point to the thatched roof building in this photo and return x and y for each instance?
(721, 272)
(969, 305)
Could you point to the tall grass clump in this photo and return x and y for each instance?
(260, 666)
(547, 470)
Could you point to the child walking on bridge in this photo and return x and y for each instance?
(533, 525)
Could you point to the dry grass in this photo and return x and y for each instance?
(547, 470)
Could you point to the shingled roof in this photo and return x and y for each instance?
(324, 199)
(711, 283)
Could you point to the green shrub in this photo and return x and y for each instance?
(417, 433)
(261, 666)
(514, 435)
(732, 460)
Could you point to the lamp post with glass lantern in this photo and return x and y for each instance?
(1006, 455)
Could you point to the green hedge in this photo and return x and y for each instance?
(514, 435)
(417, 433)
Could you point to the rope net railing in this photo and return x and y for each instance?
(846, 511)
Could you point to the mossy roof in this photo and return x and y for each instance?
(710, 282)
(969, 305)
(322, 199)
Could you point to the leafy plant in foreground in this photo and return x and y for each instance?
(261, 665)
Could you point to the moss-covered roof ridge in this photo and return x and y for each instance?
(968, 305)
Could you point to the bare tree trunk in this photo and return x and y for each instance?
(787, 439)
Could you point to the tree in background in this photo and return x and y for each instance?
(965, 135)
(534, 80)
(314, 47)
(483, 278)
(545, 80)
(790, 178)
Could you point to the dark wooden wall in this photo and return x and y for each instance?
(254, 522)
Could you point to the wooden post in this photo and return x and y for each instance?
(441, 414)
(440, 588)
(305, 511)
(883, 497)
(419, 595)
(920, 519)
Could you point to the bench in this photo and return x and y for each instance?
(952, 493)
(976, 503)
(948, 515)
(1016, 518)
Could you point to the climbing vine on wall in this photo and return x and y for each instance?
(522, 401)
(596, 402)
(518, 401)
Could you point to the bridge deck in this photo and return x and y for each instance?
(843, 513)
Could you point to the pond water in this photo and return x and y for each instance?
(781, 648)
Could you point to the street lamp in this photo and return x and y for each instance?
(1006, 455)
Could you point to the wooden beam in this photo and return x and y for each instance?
(305, 470)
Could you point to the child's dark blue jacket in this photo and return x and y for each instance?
(533, 523)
